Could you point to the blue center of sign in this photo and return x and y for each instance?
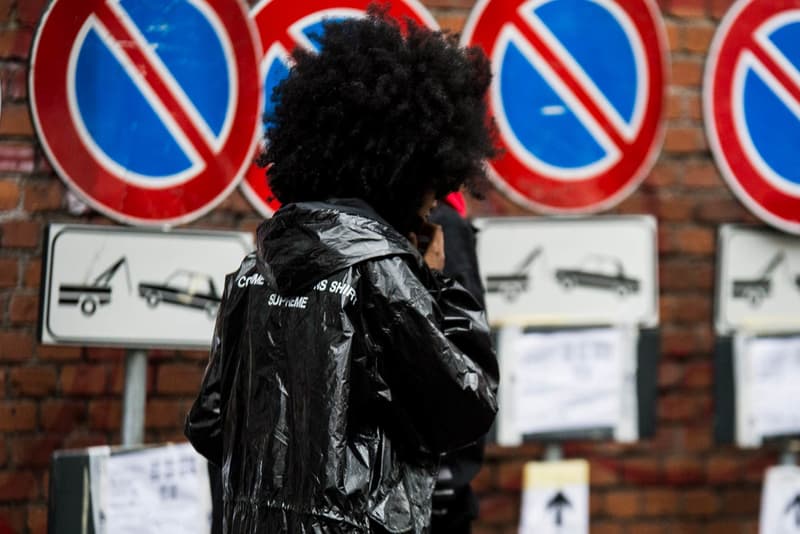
(120, 118)
(536, 113)
(772, 126)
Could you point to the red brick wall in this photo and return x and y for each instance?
(677, 482)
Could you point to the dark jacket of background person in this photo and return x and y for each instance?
(454, 503)
(341, 368)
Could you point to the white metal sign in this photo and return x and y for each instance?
(555, 498)
(758, 280)
(129, 287)
(567, 381)
(780, 501)
(598, 270)
(158, 490)
(767, 371)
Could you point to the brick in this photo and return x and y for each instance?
(15, 119)
(30, 11)
(606, 527)
(684, 140)
(17, 415)
(451, 21)
(641, 471)
(3, 454)
(509, 475)
(687, 8)
(696, 439)
(700, 503)
(721, 210)
(84, 440)
(62, 415)
(15, 43)
(37, 519)
(723, 469)
(35, 381)
(740, 502)
(680, 308)
(680, 470)
(237, 203)
(32, 274)
(718, 8)
(686, 275)
(670, 374)
(642, 527)
(672, 207)
(12, 519)
(673, 35)
(84, 379)
(44, 196)
(105, 353)
(9, 272)
(499, 508)
(697, 38)
(674, 105)
(16, 157)
(603, 472)
(15, 345)
(449, 4)
(699, 375)
(33, 452)
(484, 481)
(696, 240)
(24, 309)
(623, 503)
(5, 10)
(105, 415)
(687, 72)
(178, 378)
(9, 194)
(701, 174)
(693, 107)
(658, 502)
(18, 486)
(20, 234)
(58, 353)
(682, 406)
(161, 413)
(662, 175)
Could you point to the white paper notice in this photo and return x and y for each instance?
(555, 498)
(780, 501)
(576, 380)
(161, 490)
(767, 372)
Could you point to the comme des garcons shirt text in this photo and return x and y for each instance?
(274, 299)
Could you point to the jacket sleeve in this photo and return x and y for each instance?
(437, 372)
(204, 422)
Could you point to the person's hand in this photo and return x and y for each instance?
(434, 251)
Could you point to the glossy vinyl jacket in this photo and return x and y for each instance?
(341, 368)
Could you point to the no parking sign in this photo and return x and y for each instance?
(752, 107)
(148, 109)
(286, 24)
(577, 94)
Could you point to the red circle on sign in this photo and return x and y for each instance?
(554, 190)
(277, 23)
(735, 43)
(221, 162)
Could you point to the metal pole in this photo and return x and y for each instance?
(553, 452)
(133, 400)
(789, 454)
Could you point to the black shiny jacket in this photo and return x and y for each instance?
(341, 368)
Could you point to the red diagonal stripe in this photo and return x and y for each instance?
(170, 101)
(566, 76)
(775, 69)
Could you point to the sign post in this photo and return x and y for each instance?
(134, 397)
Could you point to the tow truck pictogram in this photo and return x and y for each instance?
(89, 297)
(756, 290)
(511, 285)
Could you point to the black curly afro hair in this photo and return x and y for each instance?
(382, 115)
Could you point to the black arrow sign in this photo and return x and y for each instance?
(795, 503)
(560, 501)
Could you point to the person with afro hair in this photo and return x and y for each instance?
(344, 364)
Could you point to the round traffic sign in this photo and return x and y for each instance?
(751, 100)
(148, 109)
(577, 94)
(286, 24)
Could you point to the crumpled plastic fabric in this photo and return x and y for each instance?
(341, 369)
